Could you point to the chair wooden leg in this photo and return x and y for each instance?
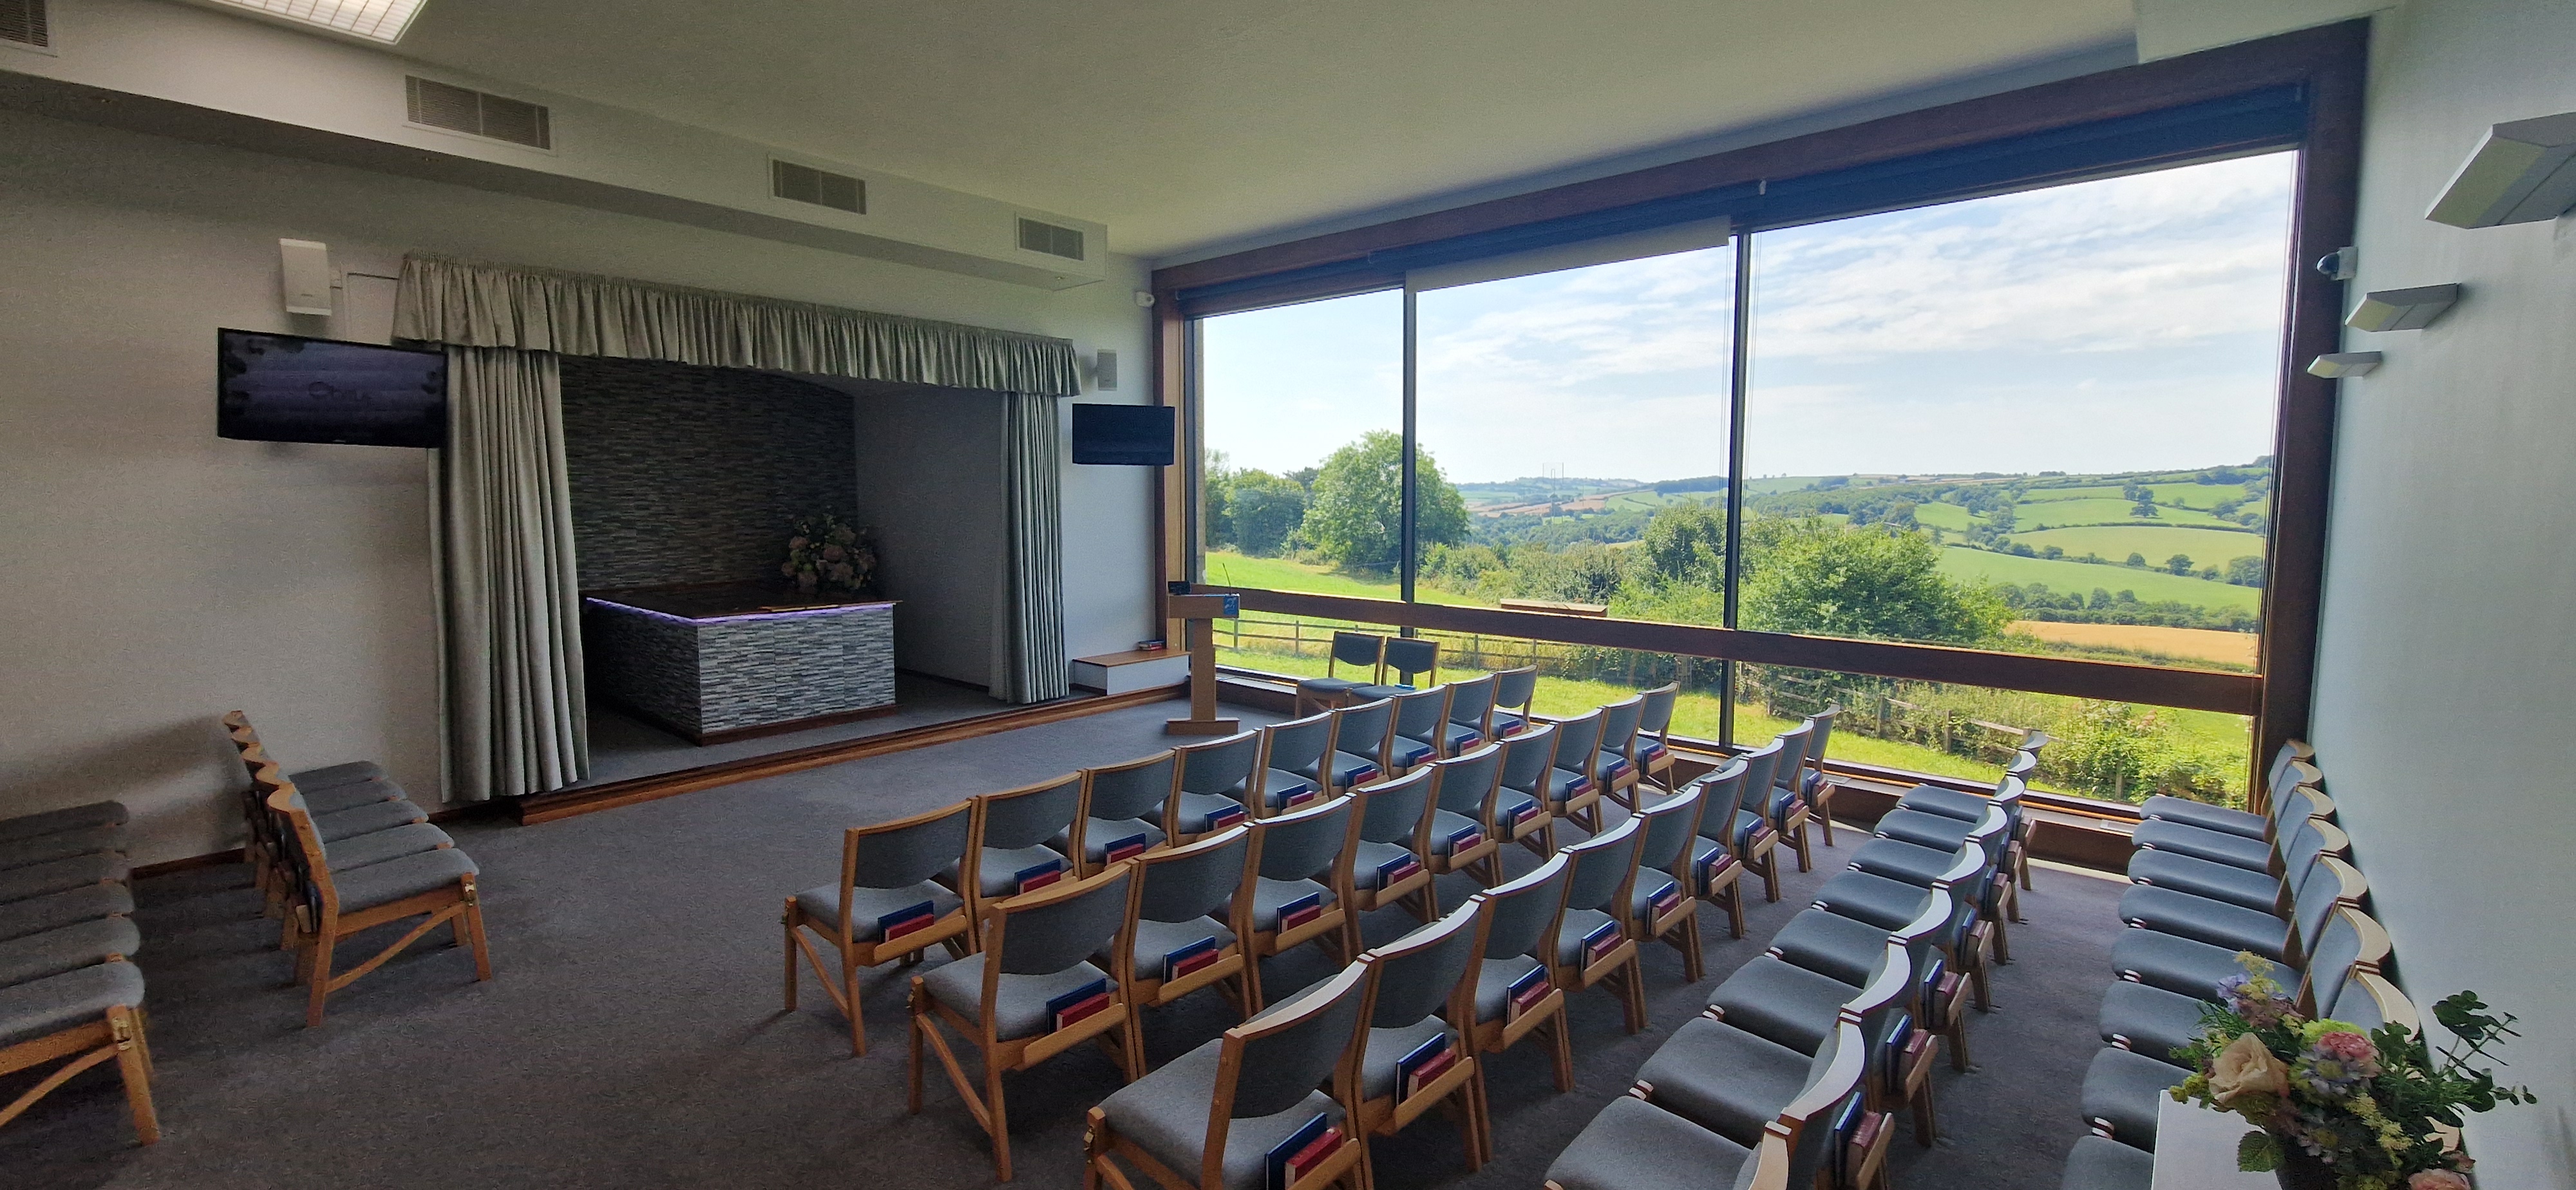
(912, 1105)
(1693, 968)
(318, 978)
(1633, 989)
(1770, 870)
(1095, 1147)
(1927, 1126)
(134, 1063)
(1805, 863)
(471, 933)
(787, 920)
(1735, 909)
(1251, 981)
(997, 1121)
(1824, 815)
(1561, 1049)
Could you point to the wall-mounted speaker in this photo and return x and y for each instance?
(1104, 370)
(305, 276)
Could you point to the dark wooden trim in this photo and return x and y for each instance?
(2291, 58)
(1172, 484)
(2195, 689)
(566, 803)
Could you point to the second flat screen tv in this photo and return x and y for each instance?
(1123, 435)
(288, 388)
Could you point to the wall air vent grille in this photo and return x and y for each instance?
(493, 117)
(22, 22)
(1051, 239)
(799, 183)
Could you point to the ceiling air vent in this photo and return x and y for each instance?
(798, 183)
(23, 22)
(438, 105)
(1051, 239)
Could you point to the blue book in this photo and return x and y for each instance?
(906, 920)
(1081, 1002)
(1312, 1141)
(1426, 1062)
(1220, 819)
(1603, 939)
(1183, 960)
(1465, 838)
(1127, 848)
(1300, 911)
(1037, 876)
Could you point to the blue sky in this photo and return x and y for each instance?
(2123, 324)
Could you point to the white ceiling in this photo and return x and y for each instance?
(1186, 123)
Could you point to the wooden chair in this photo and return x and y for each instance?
(1650, 749)
(1521, 805)
(1756, 842)
(1120, 805)
(1362, 736)
(1413, 661)
(1611, 769)
(1029, 993)
(1301, 864)
(436, 886)
(1217, 784)
(1256, 1088)
(1471, 713)
(1514, 690)
(1364, 650)
(1514, 997)
(1819, 785)
(1663, 905)
(1463, 832)
(80, 1018)
(1573, 793)
(1782, 803)
(1291, 767)
(1591, 946)
(886, 906)
(1421, 994)
(1421, 718)
(1717, 874)
(1189, 903)
(1391, 860)
(1634, 1145)
(1010, 837)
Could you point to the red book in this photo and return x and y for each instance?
(1306, 1159)
(1598, 944)
(1525, 993)
(1666, 899)
(904, 921)
(1300, 911)
(1429, 1072)
(1077, 1006)
(1224, 818)
(1125, 849)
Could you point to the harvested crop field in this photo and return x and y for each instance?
(2235, 648)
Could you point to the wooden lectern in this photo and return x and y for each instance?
(1197, 612)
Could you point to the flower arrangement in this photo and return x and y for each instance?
(2333, 1105)
(828, 552)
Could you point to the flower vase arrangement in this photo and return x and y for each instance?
(2334, 1106)
(826, 552)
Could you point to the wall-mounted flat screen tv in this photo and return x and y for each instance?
(1123, 435)
(288, 388)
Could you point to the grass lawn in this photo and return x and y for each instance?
(2049, 514)
(1946, 516)
(2207, 547)
(2197, 495)
(2082, 577)
(1226, 568)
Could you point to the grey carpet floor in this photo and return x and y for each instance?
(633, 1035)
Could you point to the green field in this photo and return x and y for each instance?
(1226, 568)
(2207, 547)
(1946, 516)
(2047, 514)
(2197, 495)
(2081, 577)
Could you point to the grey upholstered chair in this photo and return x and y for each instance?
(1414, 663)
(87, 816)
(1363, 651)
(1716, 871)
(36, 879)
(2154, 1021)
(84, 1016)
(1951, 803)
(1819, 788)
(1421, 722)
(2298, 805)
(1784, 805)
(1010, 836)
(1522, 810)
(1756, 842)
(2186, 965)
(1591, 945)
(1573, 793)
(1184, 936)
(1650, 750)
(1829, 943)
(1734, 1082)
(1216, 786)
(437, 885)
(2243, 886)
(1613, 771)
(2224, 818)
(2100, 1163)
(1634, 1145)
(2124, 1091)
(1514, 996)
(1028, 993)
(1514, 690)
(1291, 765)
(2217, 923)
(1421, 997)
(1212, 1118)
(1463, 835)
(1662, 906)
(1361, 737)
(54, 911)
(70, 947)
(1301, 862)
(1391, 861)
(1471, 711)
(1121, 803)
(887, 905)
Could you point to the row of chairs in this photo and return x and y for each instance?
(2210, 883)
(69, 991)
(1806, 1054)
(342, 849)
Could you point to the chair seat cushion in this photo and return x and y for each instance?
(1574, 926)
(1268, 895)
(1610, 768)
(2176, 964)
(2203, 878)
(2205, 816)
(1510, 723)
(1827, 943)
(1407, 751)
(1948, 803)
(1459, 737)
(1445, 825)
(1494, 983)
(1166, 1114)
(70, 907)
(337, 774)
(1156, 939)
(2100, 1163)
(43, 1007)
(68, 818)
(1634, 1145)
(1724, 1079)
(394, 879)
(36, 880)
(1372, 693)
(1782, 1002)
(822, 906)
(1019, 1001)
(2203, 920)
(68, 948)
(1328, 685)
(370, 849)
(1747, 825)
(1887, 904)
(1368, 858)
(2155, 1022)
(366, 819)
(336, 798)
(1910, 862)
(2124, 1090)
(1280, 785)
(60, 845)
(997, 870)
(1349, 770)
(1099, 833)
(1386, 1047)
(1564, 785)
(2219, 846)
(1783, 804)
(1704, 854)
(1926, 830)
(1199, 810)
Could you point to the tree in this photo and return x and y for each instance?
(1263, 510)
(2179, 564)
(1218, 491)
(1354, 516)
(2052, 551)
(2136, 559)
(2245, 572)
(1811, 575)
(1686, 543)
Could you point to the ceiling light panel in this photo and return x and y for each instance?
(374, 20)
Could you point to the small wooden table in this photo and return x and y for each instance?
(2196, 1150)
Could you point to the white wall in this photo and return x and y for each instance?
(930, 481)
(154, 576)
(2448, 667)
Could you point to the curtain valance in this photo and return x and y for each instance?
(468, 304)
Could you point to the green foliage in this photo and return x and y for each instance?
(2179, 564)
(2136, 559)
(2126, 753)
(1263, 511)
(1354, 516)
(1686, 543)
(1811, 575)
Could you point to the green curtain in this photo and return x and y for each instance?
(1029, 662)
(509, 602)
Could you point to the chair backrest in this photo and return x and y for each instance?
(2329, 883)
(1832, 1080)
(906, 851)
(1883, 1003)
(1792, 761)
(1526, 759)
(1619, 724)
(2277, 776)
(1363, 730)
(1960, 896)
(2022, 765)
(1516, 688)
(2349, 939)
(2305, 845)
(1049, 930)
(1136, 789)
(1031, 814)
(2389, 1005)
(2007, 797)
(1394, 811)
(1419, 713)
(1722, 794)
(1194, 881)
(1410, 655)
(1760, 765)
(1992, 832)
(1521, 914)
(1471, 702)
(1357, 648)
(1655, 718)
(1298, 745)
(1464, 785)
(1821, 733)
(2032, 741)
(1577, 739)
(1419, 974)
(304, 850)
(1282, 1054)
(1304, 842)
(1669, 826)
(1220, 766)
(1603, 865)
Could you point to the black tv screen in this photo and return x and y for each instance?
(288, 388)
(1123, 435)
